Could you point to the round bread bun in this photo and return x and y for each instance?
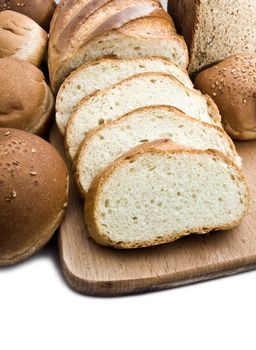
(34, 192)
(40, 11)
(232, 86)
(22, 38)
(26, 101)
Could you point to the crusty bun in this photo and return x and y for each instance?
(232, 86)
(40, 11)
(34, 191)
(21, 37)
(26, 101)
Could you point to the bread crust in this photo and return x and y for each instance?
(34, 194)
(26, 102)
(22, 38)
(154, 147)
(232, 85)
(60, 56)
(40, 11)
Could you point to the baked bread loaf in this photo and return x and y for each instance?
(141, 90)
(22, 38)
(120, 28)
(26, 101)
(160, 192)
(34, 188)
(232, 85)
(215, 29)
(104, 72)
(40, 11)
(109, 141)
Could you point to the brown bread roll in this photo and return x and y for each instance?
(26, 101)
(40, 11)
(33, 194)
(22, 38)
(232, 86)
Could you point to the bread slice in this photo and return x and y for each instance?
(109, 141)
(142, 30)
(160, 192)
(104, 72)
(215, 29)
(141, 90)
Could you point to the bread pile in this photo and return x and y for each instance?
(215, 29)
(148, 150)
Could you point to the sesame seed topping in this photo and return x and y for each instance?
(33, 150)
(214, 94)
(33, 173)
(7, 133)
(14, 194)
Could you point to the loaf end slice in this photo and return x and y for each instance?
(160, 192)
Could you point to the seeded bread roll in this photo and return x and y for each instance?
(40, 11)
(22, 38)
(232, 85)
(34, 188)
(26, 101)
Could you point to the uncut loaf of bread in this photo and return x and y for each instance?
(109, 141)
(138, 91)
(160, 192)
(26, 101)
(215, 29)
(104, 72)
(122, 28)
(22, 38)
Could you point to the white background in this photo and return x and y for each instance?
(39, 311)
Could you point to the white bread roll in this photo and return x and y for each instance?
(40, 11)
(34, 192)
(26, 101)
(22, 38)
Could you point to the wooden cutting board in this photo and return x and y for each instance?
(95, 270)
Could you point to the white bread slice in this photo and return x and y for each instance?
(141, 90)
(160, 192)
(142, 30)
(109, 141)
(104, 72)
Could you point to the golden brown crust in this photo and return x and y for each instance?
(34, 188)
(25, 99)
(154, 147)
(59, 55)
(22, 38)
(232, 86)
(40, 11)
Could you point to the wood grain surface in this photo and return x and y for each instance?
(95, 270)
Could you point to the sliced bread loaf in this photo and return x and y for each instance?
(142, 30)
(215, 29)
(112, 139)
(138, 91)
(102, 73)
(160, 192)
